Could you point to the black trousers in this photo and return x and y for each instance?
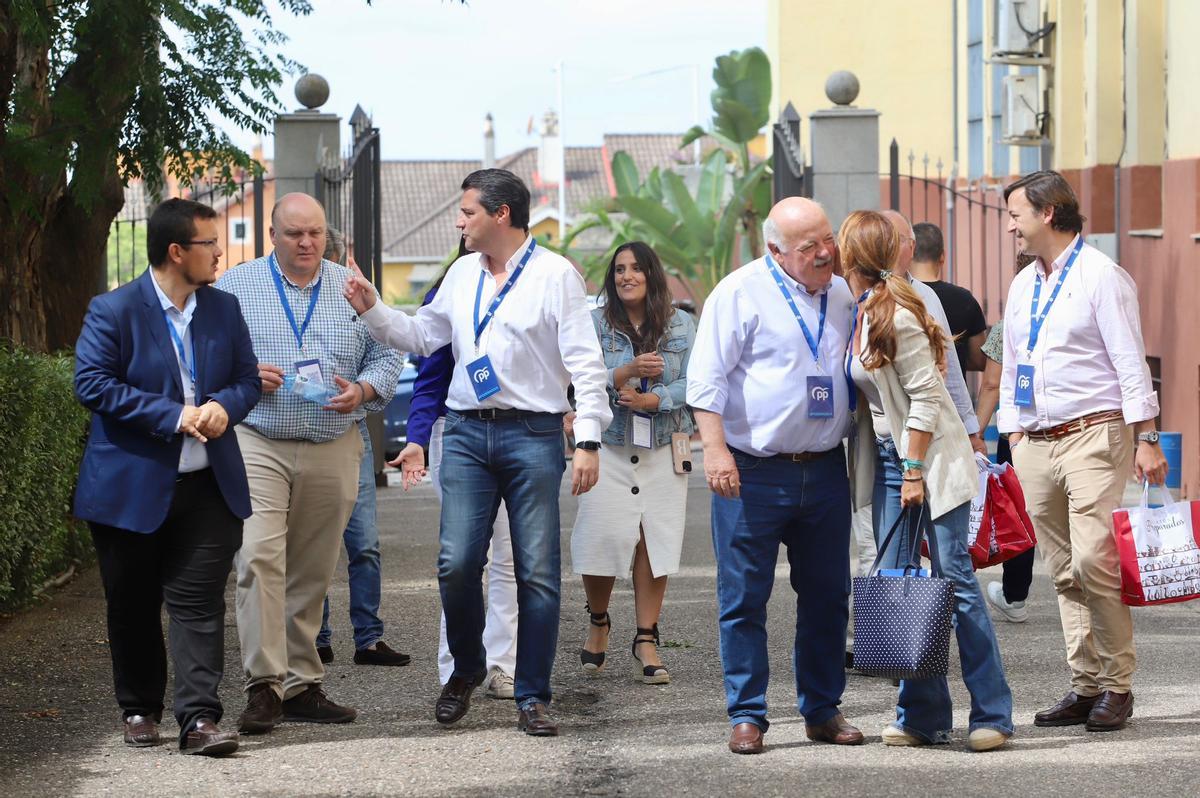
(1018, 572)
(184, 564)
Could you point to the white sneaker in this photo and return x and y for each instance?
(498, 684)
(1014, 612)
(893, 735)
(986, 739)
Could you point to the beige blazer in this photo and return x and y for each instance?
(914, 396)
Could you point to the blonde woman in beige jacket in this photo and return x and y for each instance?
(910, 448)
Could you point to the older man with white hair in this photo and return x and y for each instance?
(772, 405)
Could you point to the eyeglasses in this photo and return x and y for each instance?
(207, 242)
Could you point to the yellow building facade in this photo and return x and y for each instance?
(1113, 84)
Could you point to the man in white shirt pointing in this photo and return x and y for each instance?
(1075, 391)
(517, 319)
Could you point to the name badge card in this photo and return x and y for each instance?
(820, 396)
(310, 371)
(643, 431)
(1024, 393)
(483, 378)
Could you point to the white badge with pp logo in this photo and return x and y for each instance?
(483, 378)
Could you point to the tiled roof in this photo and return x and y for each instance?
(433, 235)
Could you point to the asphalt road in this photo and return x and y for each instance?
(60, 735)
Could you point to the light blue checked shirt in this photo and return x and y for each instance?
(335, 336)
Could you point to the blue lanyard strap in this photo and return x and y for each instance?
(191, 367)
(481, 324)
(298, 331)
(1036, 320)
(814, 346)
(850, 352)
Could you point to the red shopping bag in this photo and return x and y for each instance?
(1003, 529)
(1160, 551)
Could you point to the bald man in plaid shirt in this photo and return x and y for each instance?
(321, 372)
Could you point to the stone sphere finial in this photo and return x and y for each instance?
(842, 87)
(312, 91)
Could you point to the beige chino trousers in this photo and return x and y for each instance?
(302, 494)
(1072, 485)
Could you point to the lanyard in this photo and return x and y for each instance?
(481, 324)
(850, 352)
(191, 367)
(814, 346)
(1036, 320)
(287, 306)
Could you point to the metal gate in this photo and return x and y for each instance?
(351, 196)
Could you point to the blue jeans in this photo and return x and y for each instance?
(521, 462)
(806, 507)
(923, 708)
(362, 553)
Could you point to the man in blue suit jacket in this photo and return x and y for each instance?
(166, 366)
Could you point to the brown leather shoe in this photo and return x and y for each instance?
(536, 722)
(141, 731)
(206, 739)
(1071, 710)
(264, 709)
(1110, 712)
(455, 699)
(746, 738)
(835, 730)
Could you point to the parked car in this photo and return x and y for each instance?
(395, 415)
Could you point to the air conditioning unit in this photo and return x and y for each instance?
(1020, 110)
(1016, 27)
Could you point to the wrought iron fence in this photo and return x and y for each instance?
(351, 193)
(980, 252)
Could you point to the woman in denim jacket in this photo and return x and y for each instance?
(635, 514)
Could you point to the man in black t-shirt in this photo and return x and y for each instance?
(966, 319)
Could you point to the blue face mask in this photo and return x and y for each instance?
(308, 390)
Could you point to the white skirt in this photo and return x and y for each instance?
(638, 490)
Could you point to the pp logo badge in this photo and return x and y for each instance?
(820, 397)
(481, 375)
(1023, 396)
(820, 394)
(483, 378)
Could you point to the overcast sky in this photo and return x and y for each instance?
(428, 70)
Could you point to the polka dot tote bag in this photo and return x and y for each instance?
(902, 617)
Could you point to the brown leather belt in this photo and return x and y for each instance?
(803, 457)
(1076, 425)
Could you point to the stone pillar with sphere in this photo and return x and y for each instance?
(307, 140)
(845, 151)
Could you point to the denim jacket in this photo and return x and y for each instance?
(671, 388)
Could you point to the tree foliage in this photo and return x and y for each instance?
(700, 232)
(94, 93)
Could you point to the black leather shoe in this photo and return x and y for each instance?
(1070, 711)
(264, 709)
(536, 722)
(381, 654)
(141, 731)
(325, 653)
(1110, 712)
(313, 706)
(455, 699)
(206, 739)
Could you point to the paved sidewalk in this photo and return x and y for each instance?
(59, 726)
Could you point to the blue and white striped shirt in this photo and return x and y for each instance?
(335, 336)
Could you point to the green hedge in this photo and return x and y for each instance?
(42, 429)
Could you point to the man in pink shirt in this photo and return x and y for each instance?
(1075, 392)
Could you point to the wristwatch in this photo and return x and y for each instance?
(1148, 437)
(588, 446)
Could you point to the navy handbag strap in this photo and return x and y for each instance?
(923, 524)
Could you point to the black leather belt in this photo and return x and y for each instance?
(185, 475)
(501, 414)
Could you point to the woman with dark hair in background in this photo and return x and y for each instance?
(910, 451)
(635, 514)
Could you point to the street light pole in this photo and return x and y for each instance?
(562, 162)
